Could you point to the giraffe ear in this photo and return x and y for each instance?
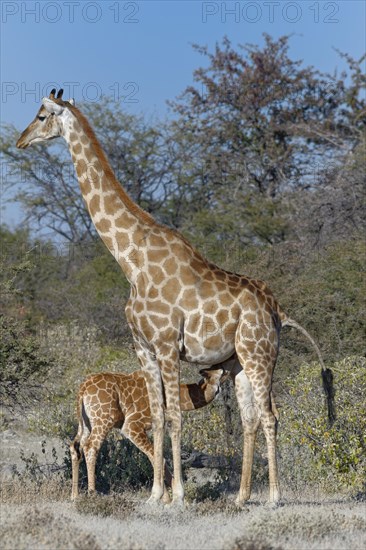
(72, 101)
(52, 107)
(210, 372)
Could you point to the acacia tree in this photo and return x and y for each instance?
(254, 130)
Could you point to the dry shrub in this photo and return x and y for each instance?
(221, 505)
(115, 505)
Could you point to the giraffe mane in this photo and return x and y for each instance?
(144, 216)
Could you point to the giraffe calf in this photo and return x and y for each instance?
(115, 400)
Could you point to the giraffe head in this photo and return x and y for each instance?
(49, 121)
(212, 380)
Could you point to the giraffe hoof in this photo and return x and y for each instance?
(274, 497)
(272, 504)
(177, 503)
(241, 501)
(153, 501)
(166, 498)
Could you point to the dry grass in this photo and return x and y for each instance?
(19, 491)
(252, 544)
(28, 527)
(42, 517)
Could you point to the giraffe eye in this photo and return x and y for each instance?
(41, 118)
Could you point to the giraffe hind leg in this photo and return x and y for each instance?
(92, 447)
(250, 418)
(258, 364)
(77, 451)
(76, 456)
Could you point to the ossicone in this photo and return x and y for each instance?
(53, 93)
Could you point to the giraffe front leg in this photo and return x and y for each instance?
(170, 374)
(155, 393)
(158, 459)
(162, 370)
(134, 430)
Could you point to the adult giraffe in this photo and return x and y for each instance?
(181, 306)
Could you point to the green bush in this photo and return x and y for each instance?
(23, 363)
(333, 457)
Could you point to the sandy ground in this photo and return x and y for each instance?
(302, 522)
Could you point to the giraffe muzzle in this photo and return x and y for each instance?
(22, 142)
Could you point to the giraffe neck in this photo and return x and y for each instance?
(120, 222)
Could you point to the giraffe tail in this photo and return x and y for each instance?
(85, 416)
(83, 421)
(327, 374)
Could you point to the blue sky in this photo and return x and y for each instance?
(141, 51)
